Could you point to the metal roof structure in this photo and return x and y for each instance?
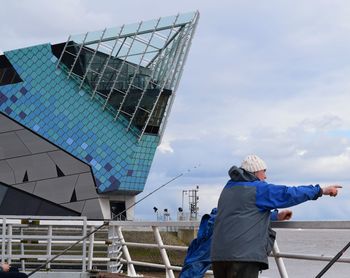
(133, 70)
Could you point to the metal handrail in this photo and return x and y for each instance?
(43, 231)
(332, 225)
(306, 225)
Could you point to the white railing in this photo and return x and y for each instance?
(306, 225)
(156, 227)
(32, 241)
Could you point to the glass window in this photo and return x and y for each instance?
(185, 18)
(8, 74)
(130, 29)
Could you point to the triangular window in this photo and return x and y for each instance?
(74, 197)
(59, 172)
(25, 178)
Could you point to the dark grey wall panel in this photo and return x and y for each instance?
(6, 173)
(85, 187)
(77, 206)
(11, 146)
(68, 164)
(8, 125)
(3, 191)
(29, 204)
(52, 209)
(92, 208)
(58, 190)
(34, 165)
(27, 186)
(38, 167)
(34, 143)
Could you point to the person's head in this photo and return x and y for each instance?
(255, 165)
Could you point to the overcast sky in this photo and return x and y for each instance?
(264, 77)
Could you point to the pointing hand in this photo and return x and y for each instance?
(331, 190)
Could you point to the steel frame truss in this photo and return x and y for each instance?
(156, 49)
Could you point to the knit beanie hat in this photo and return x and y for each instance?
(252, 163)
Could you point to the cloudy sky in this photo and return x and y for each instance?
(264, 77)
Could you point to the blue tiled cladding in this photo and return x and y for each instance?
(54, 107)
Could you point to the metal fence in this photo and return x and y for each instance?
(31, 241)
(306, 225)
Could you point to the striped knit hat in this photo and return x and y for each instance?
(252, 163)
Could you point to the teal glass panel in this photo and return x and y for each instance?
(148, 25)
(94, 36)
(78, 38)
(112, 33)
(185, 18)
(167, 22)
(130, 29)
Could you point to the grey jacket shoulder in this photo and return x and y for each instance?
(239, 174)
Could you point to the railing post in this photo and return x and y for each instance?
(117, 251)
(83, 268)
(114, 247)
(9, 244)
(49, 245)
(23, 264)
(279, 261)
(91, 247)
(168, 271)
(3, 245)
(120, 238)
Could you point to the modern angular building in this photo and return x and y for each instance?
(80, 121)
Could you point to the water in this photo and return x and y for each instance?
(311, 242)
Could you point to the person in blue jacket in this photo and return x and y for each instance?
(197, 260)
(242, 238)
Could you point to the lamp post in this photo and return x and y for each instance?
(184, 192)
(155, 209)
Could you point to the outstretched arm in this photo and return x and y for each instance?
(270, 196)
(286, 214)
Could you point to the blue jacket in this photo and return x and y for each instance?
(197, 260)
(242, 227)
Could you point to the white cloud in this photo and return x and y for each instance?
(165, 147)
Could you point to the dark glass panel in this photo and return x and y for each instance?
(8, 74)
(118, 210)
(127, 82)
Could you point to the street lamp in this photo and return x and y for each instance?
(184, 192)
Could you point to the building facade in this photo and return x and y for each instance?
(80, 121)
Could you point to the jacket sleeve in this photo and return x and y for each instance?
(270, 196)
